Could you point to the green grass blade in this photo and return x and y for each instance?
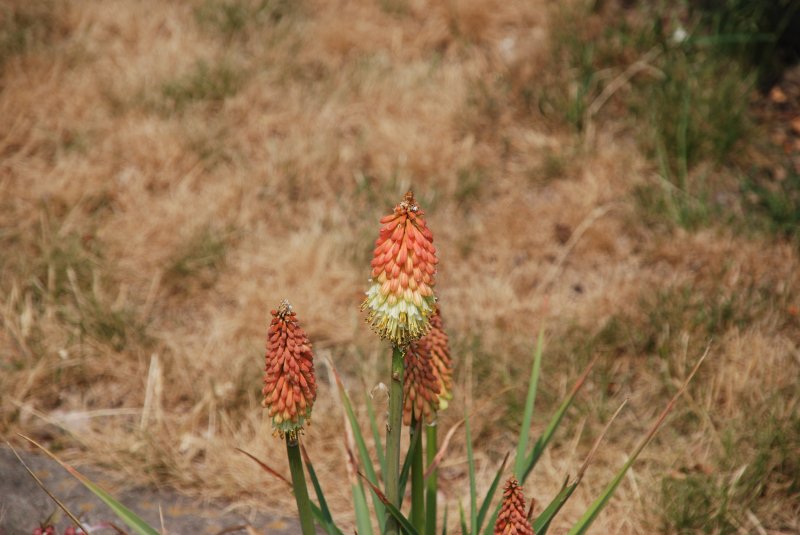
(589, 516)
(473, 498)
(542, 522)
(524, 432)
(487, 500)
(444, 521)
(134, 521)
(555, 421)
(363, 452)
(394, 511)
(323, 505)
(376, 435)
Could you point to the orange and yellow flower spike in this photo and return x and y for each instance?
(289, 384)
(400, 300)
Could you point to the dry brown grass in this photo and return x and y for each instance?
(169, 174)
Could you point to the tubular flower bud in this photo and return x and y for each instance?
(420, 385)
(512, 519)
(438, 345)
(400, 300)
(289, 384)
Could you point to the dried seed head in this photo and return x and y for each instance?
(420, 385)
(400, 300)
(438, 345)
(512, 519)
(289, 384)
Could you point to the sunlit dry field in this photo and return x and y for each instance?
(169, 171)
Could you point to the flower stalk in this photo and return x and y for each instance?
(431, 484)
(299, 485)
(417, 477)
(393, 430)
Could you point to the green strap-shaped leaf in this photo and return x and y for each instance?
(363, 452)
(588, 517)
(542, 523)
(394, 511)
(323, 504)
(473, 497)
(553, 424)
(330, 527)
(527, 415)
(363, 523)
(406, 468)
(487, 500)
(134, 521)
(464, 530)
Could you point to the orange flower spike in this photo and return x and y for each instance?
(289, 384)
(439, 347)
(420, 384)
(400, 299)
(512, 519)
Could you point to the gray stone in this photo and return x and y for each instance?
(24, 505)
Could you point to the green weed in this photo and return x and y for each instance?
(232, 18)
(26, 24)
(198, 260)
(776, 202)
(469, 182)
(756, 468)
(682, 85)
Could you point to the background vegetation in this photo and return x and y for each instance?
(624, 174)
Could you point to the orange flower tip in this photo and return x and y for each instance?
(283, 309)
(512, 519)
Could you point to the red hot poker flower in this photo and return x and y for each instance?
(512, 519)
(439, 348)
(400, 300)
(289, 384)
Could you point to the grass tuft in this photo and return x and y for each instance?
(209, 83)
(197, 262)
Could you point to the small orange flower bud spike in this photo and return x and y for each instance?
(439, 349)
(512, 519)
(400, 300)
(289, 384)
(420, 385)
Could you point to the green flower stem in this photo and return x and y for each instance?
(417, 478)
(431, 484)
(299, 485)
(393, 430)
